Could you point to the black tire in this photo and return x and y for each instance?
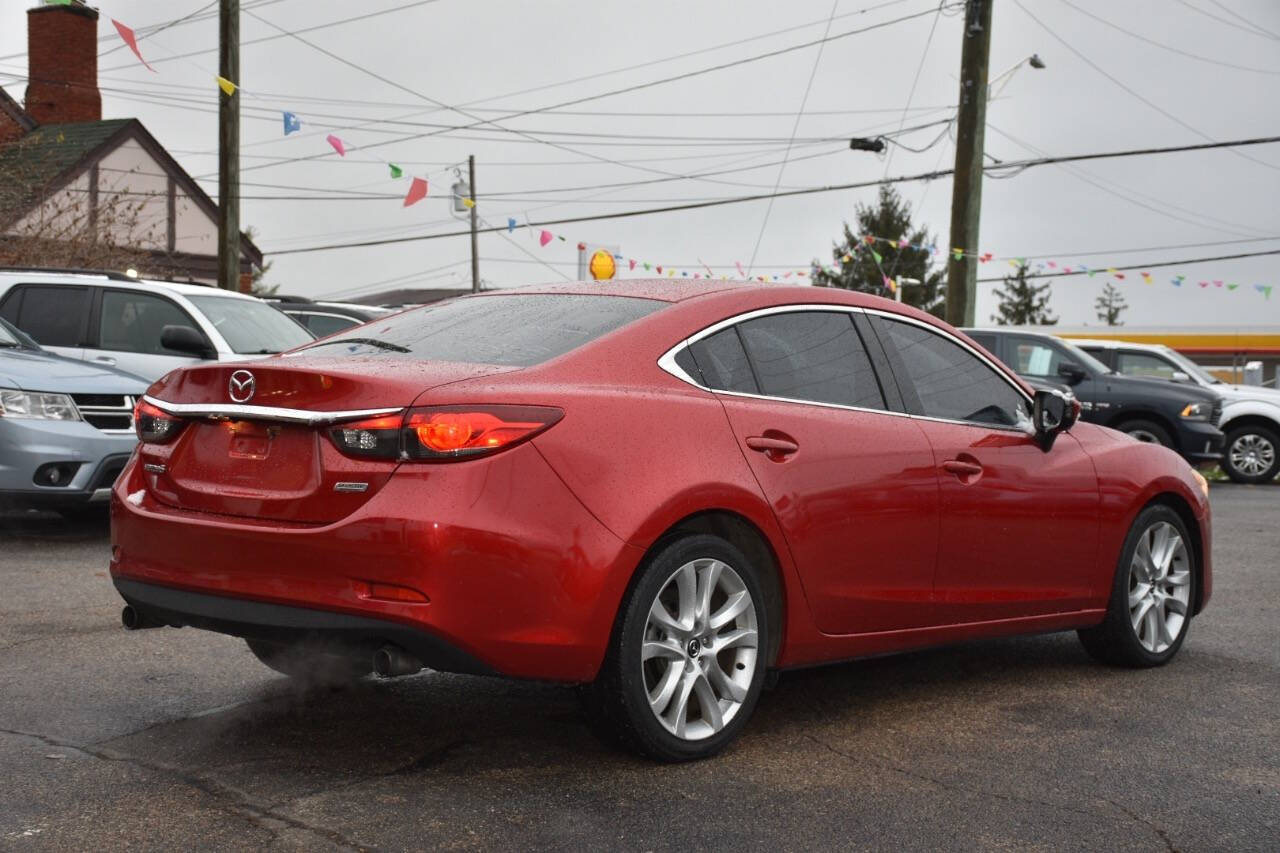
(618, 701)
(1116, 641)
(1148, 431)
(1263, 440)
(310, 665)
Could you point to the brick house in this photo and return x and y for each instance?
(78, 190)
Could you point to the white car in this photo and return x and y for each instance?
(1250, 414)
(143, 327)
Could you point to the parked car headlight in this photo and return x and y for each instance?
(1197, 411)
(28, 404)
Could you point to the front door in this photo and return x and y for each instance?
(852, 485)
(128, 328)
(1019, 526)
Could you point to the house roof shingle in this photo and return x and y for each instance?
(30, 165)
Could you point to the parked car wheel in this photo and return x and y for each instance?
(686, 664)
(1154, 592)
(306, 664)
(1147, 431)
(1253, 454)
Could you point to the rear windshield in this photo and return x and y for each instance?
(250, 326)
(512, 330)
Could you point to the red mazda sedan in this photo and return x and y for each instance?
(661, 491)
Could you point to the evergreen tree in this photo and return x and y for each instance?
(1023, 303)
(890, 218)
(1110, 305)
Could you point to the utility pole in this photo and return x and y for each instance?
(966, 192)
(475, 251)
(229, 147)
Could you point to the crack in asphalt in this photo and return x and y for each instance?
(234, 801)
(1137, 818)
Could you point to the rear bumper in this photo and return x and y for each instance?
(285, 624)
(514, 576)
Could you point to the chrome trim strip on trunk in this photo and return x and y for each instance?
(239, 411)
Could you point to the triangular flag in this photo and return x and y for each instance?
(875, 255)
(291, 123)
(1177, 280)
(1204, 284)
(1232, 286)
(1119, 275)
(902, 243)
(337, 144)
(545, 237)
(1146, 276)
(658, 268)
(417, 191)
(396, 171)
(511, 224)
(1217, 282)
(957, 253)
(228, 88)
(131, 40)
(559, 237)
(468, 203)
(646, 266)
(1052, 265)
(632, 264)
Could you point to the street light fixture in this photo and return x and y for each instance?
(1002, 79)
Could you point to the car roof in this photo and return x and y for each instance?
(1110, 344)
(115, 282)
(662, 289)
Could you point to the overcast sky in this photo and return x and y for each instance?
(487, 53)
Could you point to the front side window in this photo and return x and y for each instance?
(952, 383)
(251, 327)
(1142, 364)
(815, 356)
(1034, 357)
(54, 316)
(132, 322)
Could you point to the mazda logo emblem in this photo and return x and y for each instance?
(241, 386)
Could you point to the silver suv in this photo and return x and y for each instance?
(143, 327)
(1250, 415)
(66, 427)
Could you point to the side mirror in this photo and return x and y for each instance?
(1179, 376)
(1072, 372)
(1053, 412)
(187, 340)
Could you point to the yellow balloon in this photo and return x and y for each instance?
(602, 266)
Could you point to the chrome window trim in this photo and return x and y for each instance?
(667, 361)
(266, 413)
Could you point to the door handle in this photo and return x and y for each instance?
(962, 469)
(771, 445)
(104, 359)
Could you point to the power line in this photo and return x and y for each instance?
(1132, 92)
(925, 176)
(1167, 47)
(795, 127)
(1251, 29)
(1155, 265)
(612, 93)
(1257, 27)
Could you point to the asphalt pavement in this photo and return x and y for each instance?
(179, 739)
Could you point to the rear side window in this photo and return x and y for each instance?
(323, 325)
(514, 330)
(951, 382)
(132, 322)
(811, 355)
(54, 316)
(1142, 364)
(723, 362)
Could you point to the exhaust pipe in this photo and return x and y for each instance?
(135, 620)
(391, 661)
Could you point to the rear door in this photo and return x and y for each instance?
(126, 332)
(851, 484)
(56, 315)
(1019, 526)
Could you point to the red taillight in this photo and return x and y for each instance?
(441, 433)
(460, 432)
(153, 425)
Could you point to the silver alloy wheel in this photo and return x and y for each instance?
(1145, 435)
(699, 651)
(1252, 454)
(1159, 587)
